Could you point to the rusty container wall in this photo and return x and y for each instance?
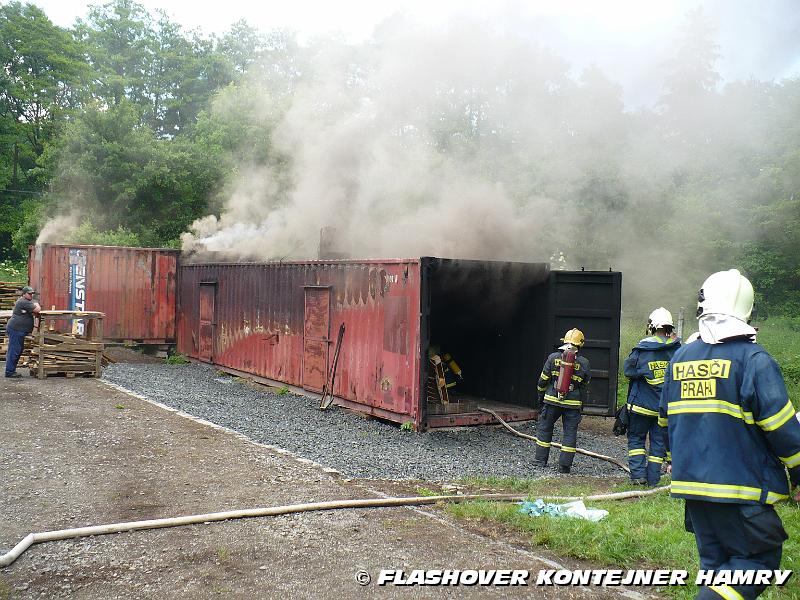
(280, 322)
(135, 287)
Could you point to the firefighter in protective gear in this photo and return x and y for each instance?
(565, 405)
(645, 366)
(733, 436)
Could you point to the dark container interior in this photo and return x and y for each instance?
(500, 320)
(491, 317)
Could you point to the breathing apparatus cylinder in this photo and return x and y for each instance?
(565, 372)
(453, 365)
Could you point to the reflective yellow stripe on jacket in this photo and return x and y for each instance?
(642, 411)
(791, 461)
(710, 406)
(565, 402)
(778, 419)
(720, 490)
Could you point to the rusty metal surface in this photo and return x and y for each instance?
(135, 287)
(274, 321)
(316, 331)
(479, 418)
(207, 296)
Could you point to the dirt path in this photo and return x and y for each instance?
(79, 452)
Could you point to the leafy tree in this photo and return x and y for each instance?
(87, 233)
(118, 173)
(40, 82)
(117, 37)
(690, 100)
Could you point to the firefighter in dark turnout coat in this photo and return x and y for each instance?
(732, 436)
(553, 405)
(646, 366)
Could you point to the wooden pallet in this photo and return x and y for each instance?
(9, 293)
(58, 354)
(5, 315)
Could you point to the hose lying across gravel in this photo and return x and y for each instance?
(613, 461)
(65, 534)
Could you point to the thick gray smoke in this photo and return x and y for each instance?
(474, 140)
(422, 142)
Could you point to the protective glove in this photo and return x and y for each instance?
(621, 421)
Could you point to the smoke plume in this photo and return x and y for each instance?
(474, 140)
(57, 229)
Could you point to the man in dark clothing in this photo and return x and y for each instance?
(564, 405)
(732, 437)
(19, 325)
(646, 366)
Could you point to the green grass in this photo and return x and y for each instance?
(642, 533)
(630, 332)
(177, 359)
(14, 270)
(779, 336)
(532, 487)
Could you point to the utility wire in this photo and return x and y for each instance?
(21, 192)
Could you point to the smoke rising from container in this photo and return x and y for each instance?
(475, 140)
(469, 141)
(57, 229)
(385, 147)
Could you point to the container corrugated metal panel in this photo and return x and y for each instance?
(260, 312)
(135, 287)
(592, 302)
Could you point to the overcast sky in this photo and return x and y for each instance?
(626, 38)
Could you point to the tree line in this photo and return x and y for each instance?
(144, 126)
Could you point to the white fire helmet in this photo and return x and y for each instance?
(726, 293)
(660, 318)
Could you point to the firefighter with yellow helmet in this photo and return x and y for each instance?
(563, 387)
(733, 436)
(645, 367)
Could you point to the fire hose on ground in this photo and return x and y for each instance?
(610, 459)
(66, 534)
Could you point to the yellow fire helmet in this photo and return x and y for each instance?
(574, 337)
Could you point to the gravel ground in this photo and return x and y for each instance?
(347, 442)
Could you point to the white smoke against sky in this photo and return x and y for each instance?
(474, 140)
(387, 154)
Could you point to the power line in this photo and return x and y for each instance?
(21, 192)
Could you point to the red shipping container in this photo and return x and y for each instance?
(135, 287)
(278, 322)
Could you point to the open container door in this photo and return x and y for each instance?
(590, 301)
(490, 317)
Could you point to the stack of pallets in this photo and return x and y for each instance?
(9, 293)
(68, 354)
(5, 315)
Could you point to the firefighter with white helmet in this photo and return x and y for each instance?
(563, 387)
(645, 366)
(733, 436)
